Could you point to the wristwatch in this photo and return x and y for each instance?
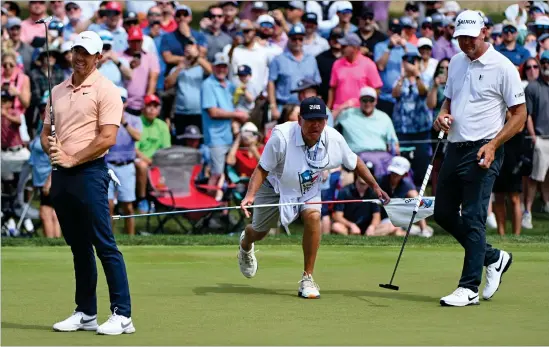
(118, 64)
(125, 124)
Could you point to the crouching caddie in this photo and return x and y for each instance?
(290, 170)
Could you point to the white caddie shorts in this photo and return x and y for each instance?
(541, 160)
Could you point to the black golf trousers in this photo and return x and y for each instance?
(464, 185)
(79, 196)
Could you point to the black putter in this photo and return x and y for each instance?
(46, 21)
(390, 285)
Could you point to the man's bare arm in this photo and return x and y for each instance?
(513, 126)
(100, 144)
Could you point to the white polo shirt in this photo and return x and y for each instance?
(481, 91)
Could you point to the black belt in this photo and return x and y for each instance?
(14, 148)
(120, 163)
(471, 143)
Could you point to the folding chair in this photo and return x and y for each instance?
(172, 179)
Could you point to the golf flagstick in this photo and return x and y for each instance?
(390, 285)
(46, 21)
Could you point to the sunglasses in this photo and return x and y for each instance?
(155, 14)
(216, 16)
(427, 26)
(544, 61)
(71, 8)
(367, 99)
(509, 30)
(182, 13)
(8, 65)
(297, 38)
(15, 27)
(531, 67)
(246, 31)
(155, 105)
(367, 17)
(411, 60)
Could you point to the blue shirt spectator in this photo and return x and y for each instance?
(124, 149)
(411, 114)
(120, 37)
(112, 72)
(187, 96)
(217, 132)
(392, 70)
(518, 55)
(175, 43)
(286, 71)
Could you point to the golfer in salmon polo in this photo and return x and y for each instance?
(482, 84)
(88, 110)
(290, 170)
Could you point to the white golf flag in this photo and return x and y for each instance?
(400, 210)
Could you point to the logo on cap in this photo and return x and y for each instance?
(314, 107)
(466, 21)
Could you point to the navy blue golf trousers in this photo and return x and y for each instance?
(79, 196)
(462, 182)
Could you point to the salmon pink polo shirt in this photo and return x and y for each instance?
(348, 78)
(80, 111)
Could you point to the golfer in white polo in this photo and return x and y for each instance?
(290, 170)
(482, 84)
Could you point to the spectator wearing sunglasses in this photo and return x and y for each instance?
(314, 44)
(287, 69)
(510, 48)
(74, 15)
(530, 71)
(443, 46)
(15, 82)
(495, 37)
(113, 13)
(24, 50)
(231, 22)
(215, 37)
(368, 34)
(426, 29)
(411, 116)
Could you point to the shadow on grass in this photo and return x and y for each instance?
(8, 325)
(228, 288)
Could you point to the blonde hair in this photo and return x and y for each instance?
(7, 53)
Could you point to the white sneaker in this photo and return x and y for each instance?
(116, 325)
(460, 297)
(427, 232)
(494, 273)
(415, 230)
(527, 220)
(308, 289)
(77, 321)
(247, 260)
(491, 221)
(546, 208)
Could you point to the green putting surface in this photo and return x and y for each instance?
(195, 295)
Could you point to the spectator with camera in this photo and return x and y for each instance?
(113, 24)
(23, 49)
(145, 70)
(15, 82)
(246, 150)
(155, 135)
(115, 68)
(187, 77)
(14, 153)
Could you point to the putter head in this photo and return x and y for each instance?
(389, 286)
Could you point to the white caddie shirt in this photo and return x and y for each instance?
(480, 93)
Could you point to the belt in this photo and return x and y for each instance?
(14, 148)
(120, 163)
(471, 143)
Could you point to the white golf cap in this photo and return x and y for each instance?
(90, 41)
(399, 165)
(469, 23)
(265, 18)
(368, 91)
(424, 41)
(221, 59)
(249, 127)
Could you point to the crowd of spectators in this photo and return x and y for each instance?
(222, 80)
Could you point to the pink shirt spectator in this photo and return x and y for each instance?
(19, 80)
(347, 78)
(30, 30)
(137, 87)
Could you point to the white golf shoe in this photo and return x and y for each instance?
(491, 221)
(308, 289)
(77, 321)
(527, 220)
(494, 273)
(460, 297)
(247, 260)
(116, 325)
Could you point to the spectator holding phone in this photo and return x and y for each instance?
(145, 70)
(15, 82)
(114, 68)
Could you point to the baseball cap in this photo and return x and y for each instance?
(305, 83)
(220, 59)
(249, 127)
(450, 6)
(367, 12)
(368, 91)
(498, 28)
(123, 92)
(424, 41)
(225, 3)
(351, 39)
(135, 34)
(265, 19)
(67, 3)
(336, 34)
(297, 29)
(260, 5)
(407, 22)
(544, 55)
(106, 37)
(191, 132)
(344, 7)
(90, 41)
(151, 98)
(113, 6)
(310, 17)
(313, 108)
(469, 23)
(399, 165)
(66, 46)
(245, 24)
(507, 23)
(543, 20)
(411, 54)
(299, 5)
(437, 17)
(394, 26)
(244, 70)
(13, 22)
(130, 16)
(183, 8)
(543, 37)
(537, 7)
